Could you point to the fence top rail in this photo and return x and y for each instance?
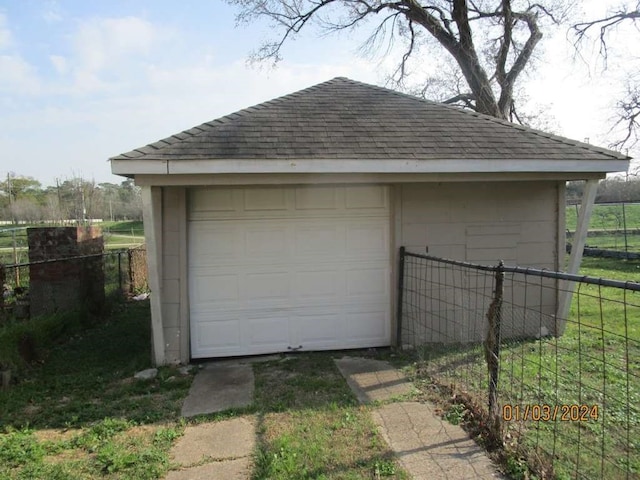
(605, 282)
(64, 259)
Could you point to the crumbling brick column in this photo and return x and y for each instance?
(66, 284)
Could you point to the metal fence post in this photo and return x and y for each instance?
(3, 277)
(399, 298)
(492, 351)
(120, 272)
(624, 227)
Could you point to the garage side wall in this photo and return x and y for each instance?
(174, 306)
(517, 222)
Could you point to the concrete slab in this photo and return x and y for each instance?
(218, 387)
(429, 447)
(224, 440)
(239, 469)
(373, 380)
(426, 446)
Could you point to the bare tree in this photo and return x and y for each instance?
(627, 109)
(490, 42)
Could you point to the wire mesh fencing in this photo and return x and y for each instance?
(563, 392)
(34, 288)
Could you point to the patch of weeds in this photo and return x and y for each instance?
(100, 433)
(384, 468)
(516, 468)
(455, 414)
(20, 447)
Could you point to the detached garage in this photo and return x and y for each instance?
(276, 228)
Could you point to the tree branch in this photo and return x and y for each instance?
(466, 99)
(605, 24)
(628, 112)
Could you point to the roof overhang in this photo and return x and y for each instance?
(132, 167)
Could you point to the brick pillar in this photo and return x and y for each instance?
(66, 284)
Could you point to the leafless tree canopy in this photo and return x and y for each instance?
(491, 42)
(627, 110)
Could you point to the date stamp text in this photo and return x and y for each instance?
(550, 413)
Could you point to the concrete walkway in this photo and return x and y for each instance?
(217, 450)
(426, 446)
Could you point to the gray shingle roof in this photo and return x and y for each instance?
(345, 119)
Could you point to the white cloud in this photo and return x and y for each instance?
(51, 12)
(5, 33)
(59, 63)
(18, 76)
(101, 43)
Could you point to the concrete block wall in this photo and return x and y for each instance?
(173, 255)
(66, 284)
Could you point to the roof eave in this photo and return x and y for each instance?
(129, 167)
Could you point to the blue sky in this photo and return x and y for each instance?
(81, 81)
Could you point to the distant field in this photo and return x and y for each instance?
(607, 217)
(606, 225)
(116, 235)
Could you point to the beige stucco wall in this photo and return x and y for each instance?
(521, 223)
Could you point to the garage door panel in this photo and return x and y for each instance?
(314, 284)
(275, 269)
(366, 196)
(211, 288)
(266, 240)
(222, 242)
(266, 330)
(221, 336)
(325, 239)
(316, 198)
(267, 285)
(364, 238)
(260, 199)
(319, 330)
(368, 325)
(367, 281)
(213, 200)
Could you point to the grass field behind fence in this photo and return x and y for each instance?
(592, 364)
(117, 235)
(607, 224)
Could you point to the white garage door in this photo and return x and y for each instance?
(281, 269)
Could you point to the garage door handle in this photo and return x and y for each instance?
(293, 349)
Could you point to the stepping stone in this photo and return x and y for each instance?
(239, 469)
(219, 387)
(224, 440)
(373, 380)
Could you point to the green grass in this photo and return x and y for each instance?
(311, 426)
(591, 364)
(79, 414)
(606, 217)
(116, 235)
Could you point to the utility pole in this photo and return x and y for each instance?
(14, 229)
